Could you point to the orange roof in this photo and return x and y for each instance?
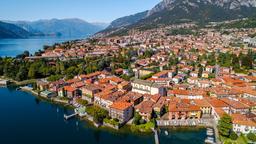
(234, 82)
(242, 120)
(145, 106)
(238, 116)
(179, 92)
(220, 112)
(69, 89)
(121, 105)
(73, 80)
(247, 102)
(252, 78)
(216, 103)
(182, 106)
(245, 122)
(235, 104)
(91, 75)
(201, 103)
(165, 72)
(116, 79)
(124, 83)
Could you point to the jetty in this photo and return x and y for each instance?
(66, 117)
(156, 136)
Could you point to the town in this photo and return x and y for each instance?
(172, 76)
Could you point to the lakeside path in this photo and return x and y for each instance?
(19, 83)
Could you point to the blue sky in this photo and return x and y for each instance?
(89, 10)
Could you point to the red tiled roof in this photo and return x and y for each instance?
(235, 104)
(216, 103)
(120, 105)
(69, 89)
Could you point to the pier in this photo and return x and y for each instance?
(69, 116)
(156, 136)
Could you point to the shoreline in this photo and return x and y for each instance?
(66, 104)
(124, 129)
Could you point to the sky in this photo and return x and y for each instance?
(89, 10)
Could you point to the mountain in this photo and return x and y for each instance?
(202, 11)
(8, 30)
(100, 24)
(176, 11)
(127, 20)
(226, 4)
(26, 26)
(60, 27)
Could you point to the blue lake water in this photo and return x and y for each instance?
(13, 47)
(26, 120)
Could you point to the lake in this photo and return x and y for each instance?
(13, 47)
(26, 119)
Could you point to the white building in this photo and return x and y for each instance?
(147, 87)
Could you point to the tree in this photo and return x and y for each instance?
(98, 113)
(200, 72)
(136, 119)
(251, 136)
(225, 125)
(22, 74)
(32, 72)
(247, 61)
(233, 135)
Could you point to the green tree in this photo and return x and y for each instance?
(251, 136)
(225, 125)
(137, 118)
(233, 135)
(32, 72)
(22, 74)
(200, 72)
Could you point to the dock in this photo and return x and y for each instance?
(69, 116)
(156, 136)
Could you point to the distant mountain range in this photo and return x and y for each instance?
(178, 11)
(12, 31)
(54, 27)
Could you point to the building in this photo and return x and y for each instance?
(89, 91)
(106, 98)
(235, 106)
(42, 85)
(123, 111)
(241, 124)
(204, 106)
(48, 94)
(147, 87)
(187, 94)
(183, 109)
(132, 97)
(145, 109)
(4, 82)
(68, 91)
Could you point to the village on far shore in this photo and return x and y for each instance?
(158, 79)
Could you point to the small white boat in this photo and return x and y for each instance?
(166, 132)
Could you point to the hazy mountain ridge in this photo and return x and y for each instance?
(8, 30)
(60, 27)
(127, 20)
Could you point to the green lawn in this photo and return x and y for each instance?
(240, 140)
(143, 127)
